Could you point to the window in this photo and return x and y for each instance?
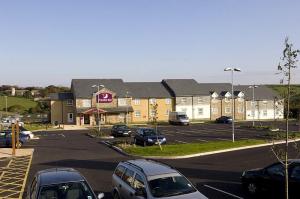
(137, 101)
(70, 102)
(184, 110)
(86, 103)
(214, 110)
(152, 113)
(137, 113)
(119, 171)
(227, 109)
(252, 113)
(183, 100)
(277, 170)
(265, 112)
(167, 112)
(240, 109)
(122, 102)
(138, 182)
(152, 101)
(200, 100)
(168, 101)
(227, 99)
(70, 117)
(128, 177)
(296, 173)
(200, 111)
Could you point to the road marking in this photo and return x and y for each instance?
(223, 139)
(180, 141)
(219, 190)
(202, 140)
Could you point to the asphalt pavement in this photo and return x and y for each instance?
(217, 176)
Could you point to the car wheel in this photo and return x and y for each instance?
(252, 188)
(116, 195)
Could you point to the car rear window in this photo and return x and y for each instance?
(119, 171)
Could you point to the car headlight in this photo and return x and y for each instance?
(164, 139)
(150, 140)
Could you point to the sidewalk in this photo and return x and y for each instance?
(7, 152)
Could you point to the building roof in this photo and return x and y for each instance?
(262, 92)
(147, 90)
(215, 87)
(61, 96)
(183, 87)
(82, 88)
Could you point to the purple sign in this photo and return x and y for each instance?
(104, 98)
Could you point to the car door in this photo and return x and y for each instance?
(139, 136)
(126, 189)
(294, 181)
(274, 177)
(138, 184)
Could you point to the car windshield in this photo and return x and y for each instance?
(150, 132)
(123, 127)
(170, 186)
(66, 191)
(182, 116)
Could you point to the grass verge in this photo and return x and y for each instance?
(188, 149)
(36, 127)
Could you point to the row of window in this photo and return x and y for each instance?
(137, 113)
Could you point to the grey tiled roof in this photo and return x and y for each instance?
(184, 87)
(262, 92)
(82, 88)
(147, 90)
(61, 96)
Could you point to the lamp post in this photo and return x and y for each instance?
(97, 105)
(127, 95)
(5, 105)
(253, 105)
(232, 96)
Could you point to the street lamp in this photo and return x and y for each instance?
(97, 105)
(253, 105)
(232, 96)
(127, 95)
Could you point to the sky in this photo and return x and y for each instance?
(52, 42)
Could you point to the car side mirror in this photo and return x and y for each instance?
(100, 195)
(141, 192)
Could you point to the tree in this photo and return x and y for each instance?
(154, 118)
(28, 95)
(285, 67)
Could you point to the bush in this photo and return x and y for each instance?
(16, 109)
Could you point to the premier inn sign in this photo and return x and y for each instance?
(104, 98)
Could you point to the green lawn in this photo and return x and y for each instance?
(35, 127)
(188, 149)
(27, 103)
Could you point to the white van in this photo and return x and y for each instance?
(178, 118)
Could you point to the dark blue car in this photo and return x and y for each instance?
(6, 141)
(149, 136)
(60, 183)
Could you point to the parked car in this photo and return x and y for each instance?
(26, 132)
(178, 118)
(120, 130)
(6, 141)
(60, 183)
(149, 136)
(224, 119)
(136, 179)
(272, 179)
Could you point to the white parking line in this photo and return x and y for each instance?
(180, 141)
(223, 139)
(202, 140)
(219, 190)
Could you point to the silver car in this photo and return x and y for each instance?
(138, 179)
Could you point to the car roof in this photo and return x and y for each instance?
(59, 175)
(150, 167)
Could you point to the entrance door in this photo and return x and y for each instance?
(70, 117)
(86, 119)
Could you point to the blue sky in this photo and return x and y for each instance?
(51, 42)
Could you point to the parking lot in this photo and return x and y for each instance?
(211, 132)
